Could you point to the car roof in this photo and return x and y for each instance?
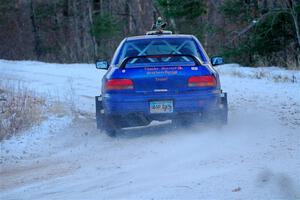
(168, 36)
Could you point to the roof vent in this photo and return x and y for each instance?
(161, 32)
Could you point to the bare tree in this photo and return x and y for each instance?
(284, 6)
(35, 31)
(290, 8)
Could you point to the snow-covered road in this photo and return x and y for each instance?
(257, 156)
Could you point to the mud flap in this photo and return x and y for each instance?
(99, 112)
(224, 108)
(104, 122)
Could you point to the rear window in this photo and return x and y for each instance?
(159, 47)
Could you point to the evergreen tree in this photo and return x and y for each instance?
(183, 16)
(261, 31)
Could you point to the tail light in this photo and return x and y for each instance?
(119, 84)
(202, 81)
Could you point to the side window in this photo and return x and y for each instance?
(202, 53)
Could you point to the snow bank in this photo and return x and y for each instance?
(271, 73)
(73, 83)
(32, 140)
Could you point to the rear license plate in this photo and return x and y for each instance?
(161, 106)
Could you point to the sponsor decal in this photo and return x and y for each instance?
(163, 70)
(161, 79)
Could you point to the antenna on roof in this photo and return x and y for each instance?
(158, 28)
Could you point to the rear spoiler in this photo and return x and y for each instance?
(194, 58)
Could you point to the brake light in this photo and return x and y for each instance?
(202, 81)
(119, 84)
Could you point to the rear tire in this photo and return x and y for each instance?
(111, 133)
(217, 118)
(183, 120)
(109, 126)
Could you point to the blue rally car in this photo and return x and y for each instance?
(160, 76)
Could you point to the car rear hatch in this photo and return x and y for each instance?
(163, 77)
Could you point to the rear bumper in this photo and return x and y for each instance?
(183, 103)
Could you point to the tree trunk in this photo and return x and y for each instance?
(295, 19)
(35, 32)
(91, 24)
